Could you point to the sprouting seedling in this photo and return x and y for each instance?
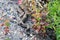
(6, 23)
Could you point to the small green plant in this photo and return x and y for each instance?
(7, 24)
(53, 16)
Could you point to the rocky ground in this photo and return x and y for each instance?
(16, 21)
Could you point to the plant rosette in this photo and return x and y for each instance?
(6, 23)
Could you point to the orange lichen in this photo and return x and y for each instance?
(37, 15)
